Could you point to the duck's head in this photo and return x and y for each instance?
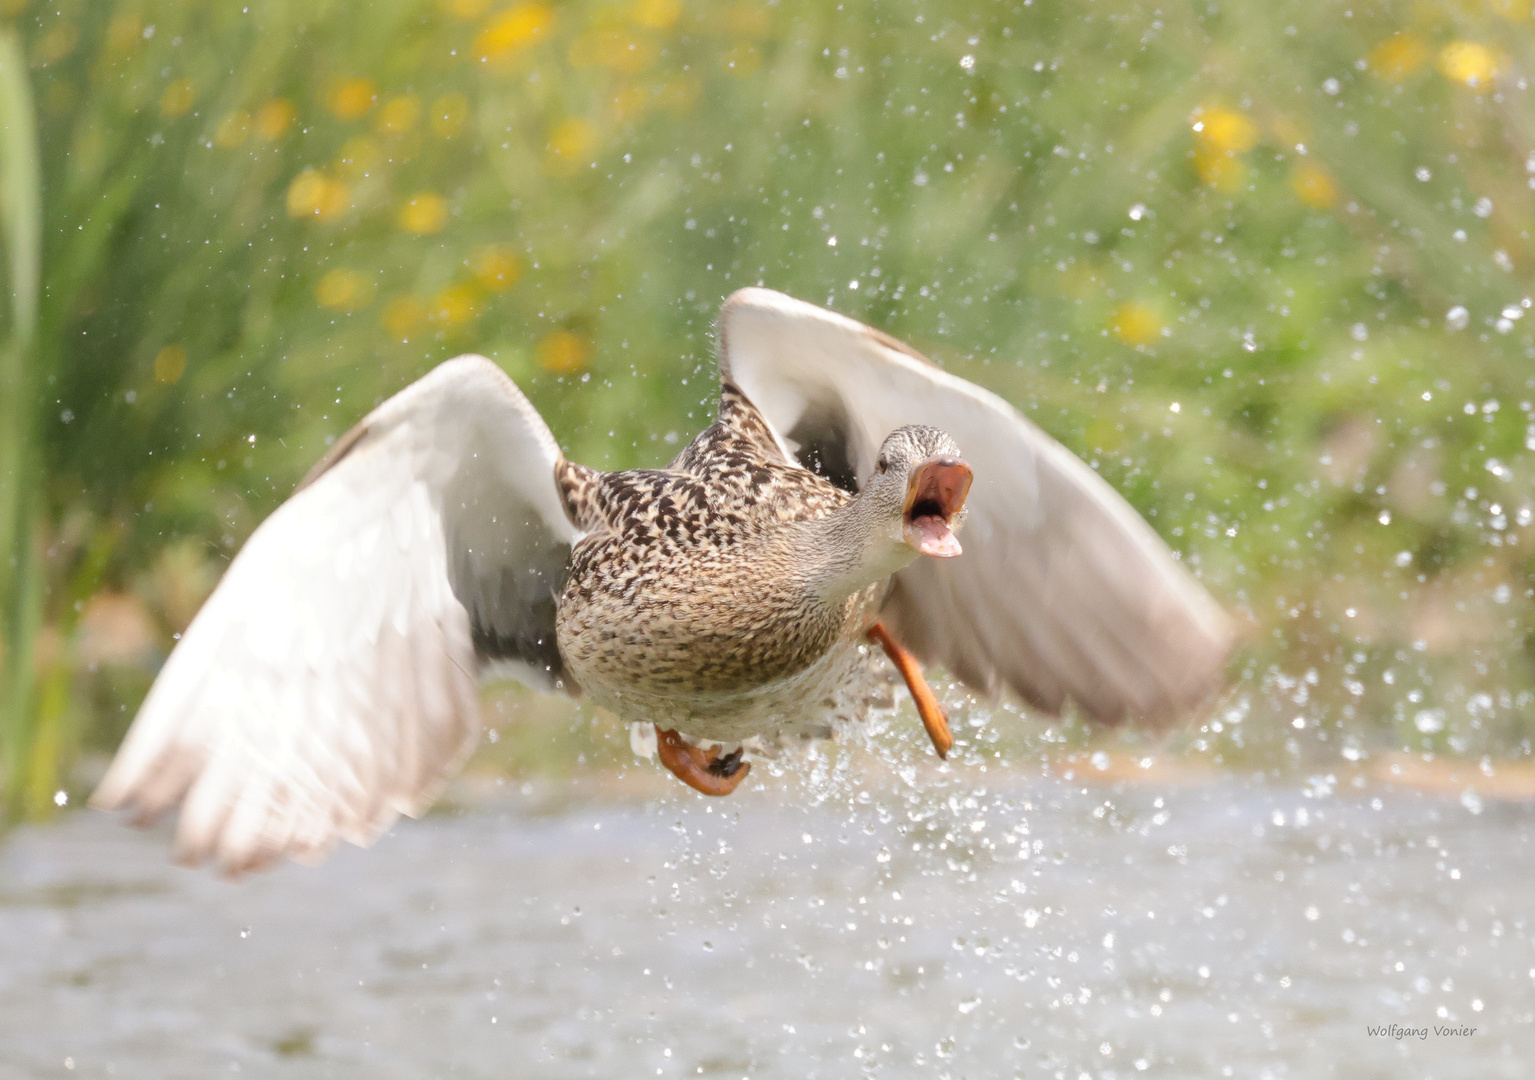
(919, 484)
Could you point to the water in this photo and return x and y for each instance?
(861, 926)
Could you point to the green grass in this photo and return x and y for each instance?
(254, 224)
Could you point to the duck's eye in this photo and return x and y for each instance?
(882, 464)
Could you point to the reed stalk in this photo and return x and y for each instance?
(21, 592)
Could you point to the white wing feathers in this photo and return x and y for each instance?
(328, 684)
(1063, 591)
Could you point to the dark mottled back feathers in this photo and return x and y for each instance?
(685, 583)
(731, 477)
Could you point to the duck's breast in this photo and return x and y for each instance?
(661, 618)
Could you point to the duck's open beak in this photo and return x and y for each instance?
(934, 495)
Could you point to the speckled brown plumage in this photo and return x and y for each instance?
(690, 602)
(328, 683)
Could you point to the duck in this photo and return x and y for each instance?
(851, 501)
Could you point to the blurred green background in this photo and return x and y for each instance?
(1266, 266)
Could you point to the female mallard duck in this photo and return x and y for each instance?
(328, 684)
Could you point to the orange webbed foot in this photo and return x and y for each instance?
(702, 770)
(928, 709)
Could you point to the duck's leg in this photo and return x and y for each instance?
(701, 770)
(933, 720)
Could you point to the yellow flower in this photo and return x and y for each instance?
(657, 14)
(170, 364)
(177, 98)
(1224, 171)
(402, 315)
(453, 306)
(564, 352)
(274, 118)
(1225, 130)
(1222, 134)
(312, 192)
(1136, 323)
(1398, 56)
(1467, 62)
(495, 268)
(233, 129)
(398, 115)
(449, 114)
(56, 44)
(1314, 186)
(342, 289)
(123, 33)
(614, 48)
(426, 212)
(358, 156)
(351, 99)
(513, 30)
(570, 146)
(746, 20)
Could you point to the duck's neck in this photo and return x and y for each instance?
(849, 550)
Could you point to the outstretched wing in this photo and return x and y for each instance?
(1063, 591)
(328, 684)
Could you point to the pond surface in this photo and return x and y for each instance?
(963, 925)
